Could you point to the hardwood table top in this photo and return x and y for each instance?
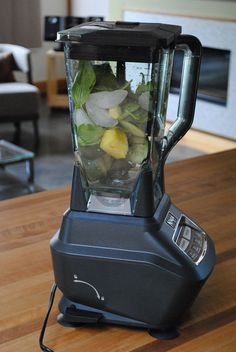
(203, 187)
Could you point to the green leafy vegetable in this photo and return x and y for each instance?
(105, 78)
(139, 115)
(126, 85)
(89, 134)
(130, 106)
(134, 110)
(83, 84)
(144, 87)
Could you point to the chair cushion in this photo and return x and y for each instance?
(6, 64)
(18, 99)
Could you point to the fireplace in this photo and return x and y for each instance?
(216, 104)
(214, 75)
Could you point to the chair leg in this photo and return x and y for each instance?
(17, 133)
(36, 135)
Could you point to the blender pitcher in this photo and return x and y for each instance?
(118, 78)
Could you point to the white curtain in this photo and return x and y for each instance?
(20, 22)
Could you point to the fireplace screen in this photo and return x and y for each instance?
(214, 75)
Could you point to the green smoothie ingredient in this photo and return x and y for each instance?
(114, 142)
(89, 134)
(132, 129)
(137, 153)
(95, 169)
(83, 83)
(110, 120)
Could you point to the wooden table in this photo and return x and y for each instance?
(204, 187)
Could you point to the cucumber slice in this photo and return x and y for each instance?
(132, 129)
(137, 153)
(97, 169)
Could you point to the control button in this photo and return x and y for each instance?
(198, 234)
(171, 220)
(193, 255)
(187, 232)
(197, 241)
(196, 249)
(183, 243)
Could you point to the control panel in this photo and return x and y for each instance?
(190, 239)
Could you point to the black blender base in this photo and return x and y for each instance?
(167, 334)
(75, 315)
(62, 321)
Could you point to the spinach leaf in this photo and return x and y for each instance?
(105, 78)
(144, 87)
(83, 84)
(89, 134)
(138, 115)
(129, 107)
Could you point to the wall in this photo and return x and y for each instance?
(59, 8)
(39, 62)
(90, 8)
(218, 9)
(210, 117)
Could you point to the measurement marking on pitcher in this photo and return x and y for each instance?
(76, 280)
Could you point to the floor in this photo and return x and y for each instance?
(54, 159)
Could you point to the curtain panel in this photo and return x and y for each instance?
(20, 22)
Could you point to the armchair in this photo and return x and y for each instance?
(19, 101)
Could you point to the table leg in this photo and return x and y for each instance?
(29, 167)
(51, 82)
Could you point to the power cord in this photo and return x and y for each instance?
(50, 304)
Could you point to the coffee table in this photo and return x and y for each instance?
(12, 154)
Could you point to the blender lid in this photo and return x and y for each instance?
(132, 34)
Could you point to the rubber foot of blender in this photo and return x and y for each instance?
(167, 334)
(61, 320)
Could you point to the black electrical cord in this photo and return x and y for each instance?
(50, 304)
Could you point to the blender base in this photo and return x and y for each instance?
(76, 315)
(167, 334)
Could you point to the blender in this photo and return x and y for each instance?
(124, 253)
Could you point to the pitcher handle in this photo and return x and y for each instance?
(188, 91)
